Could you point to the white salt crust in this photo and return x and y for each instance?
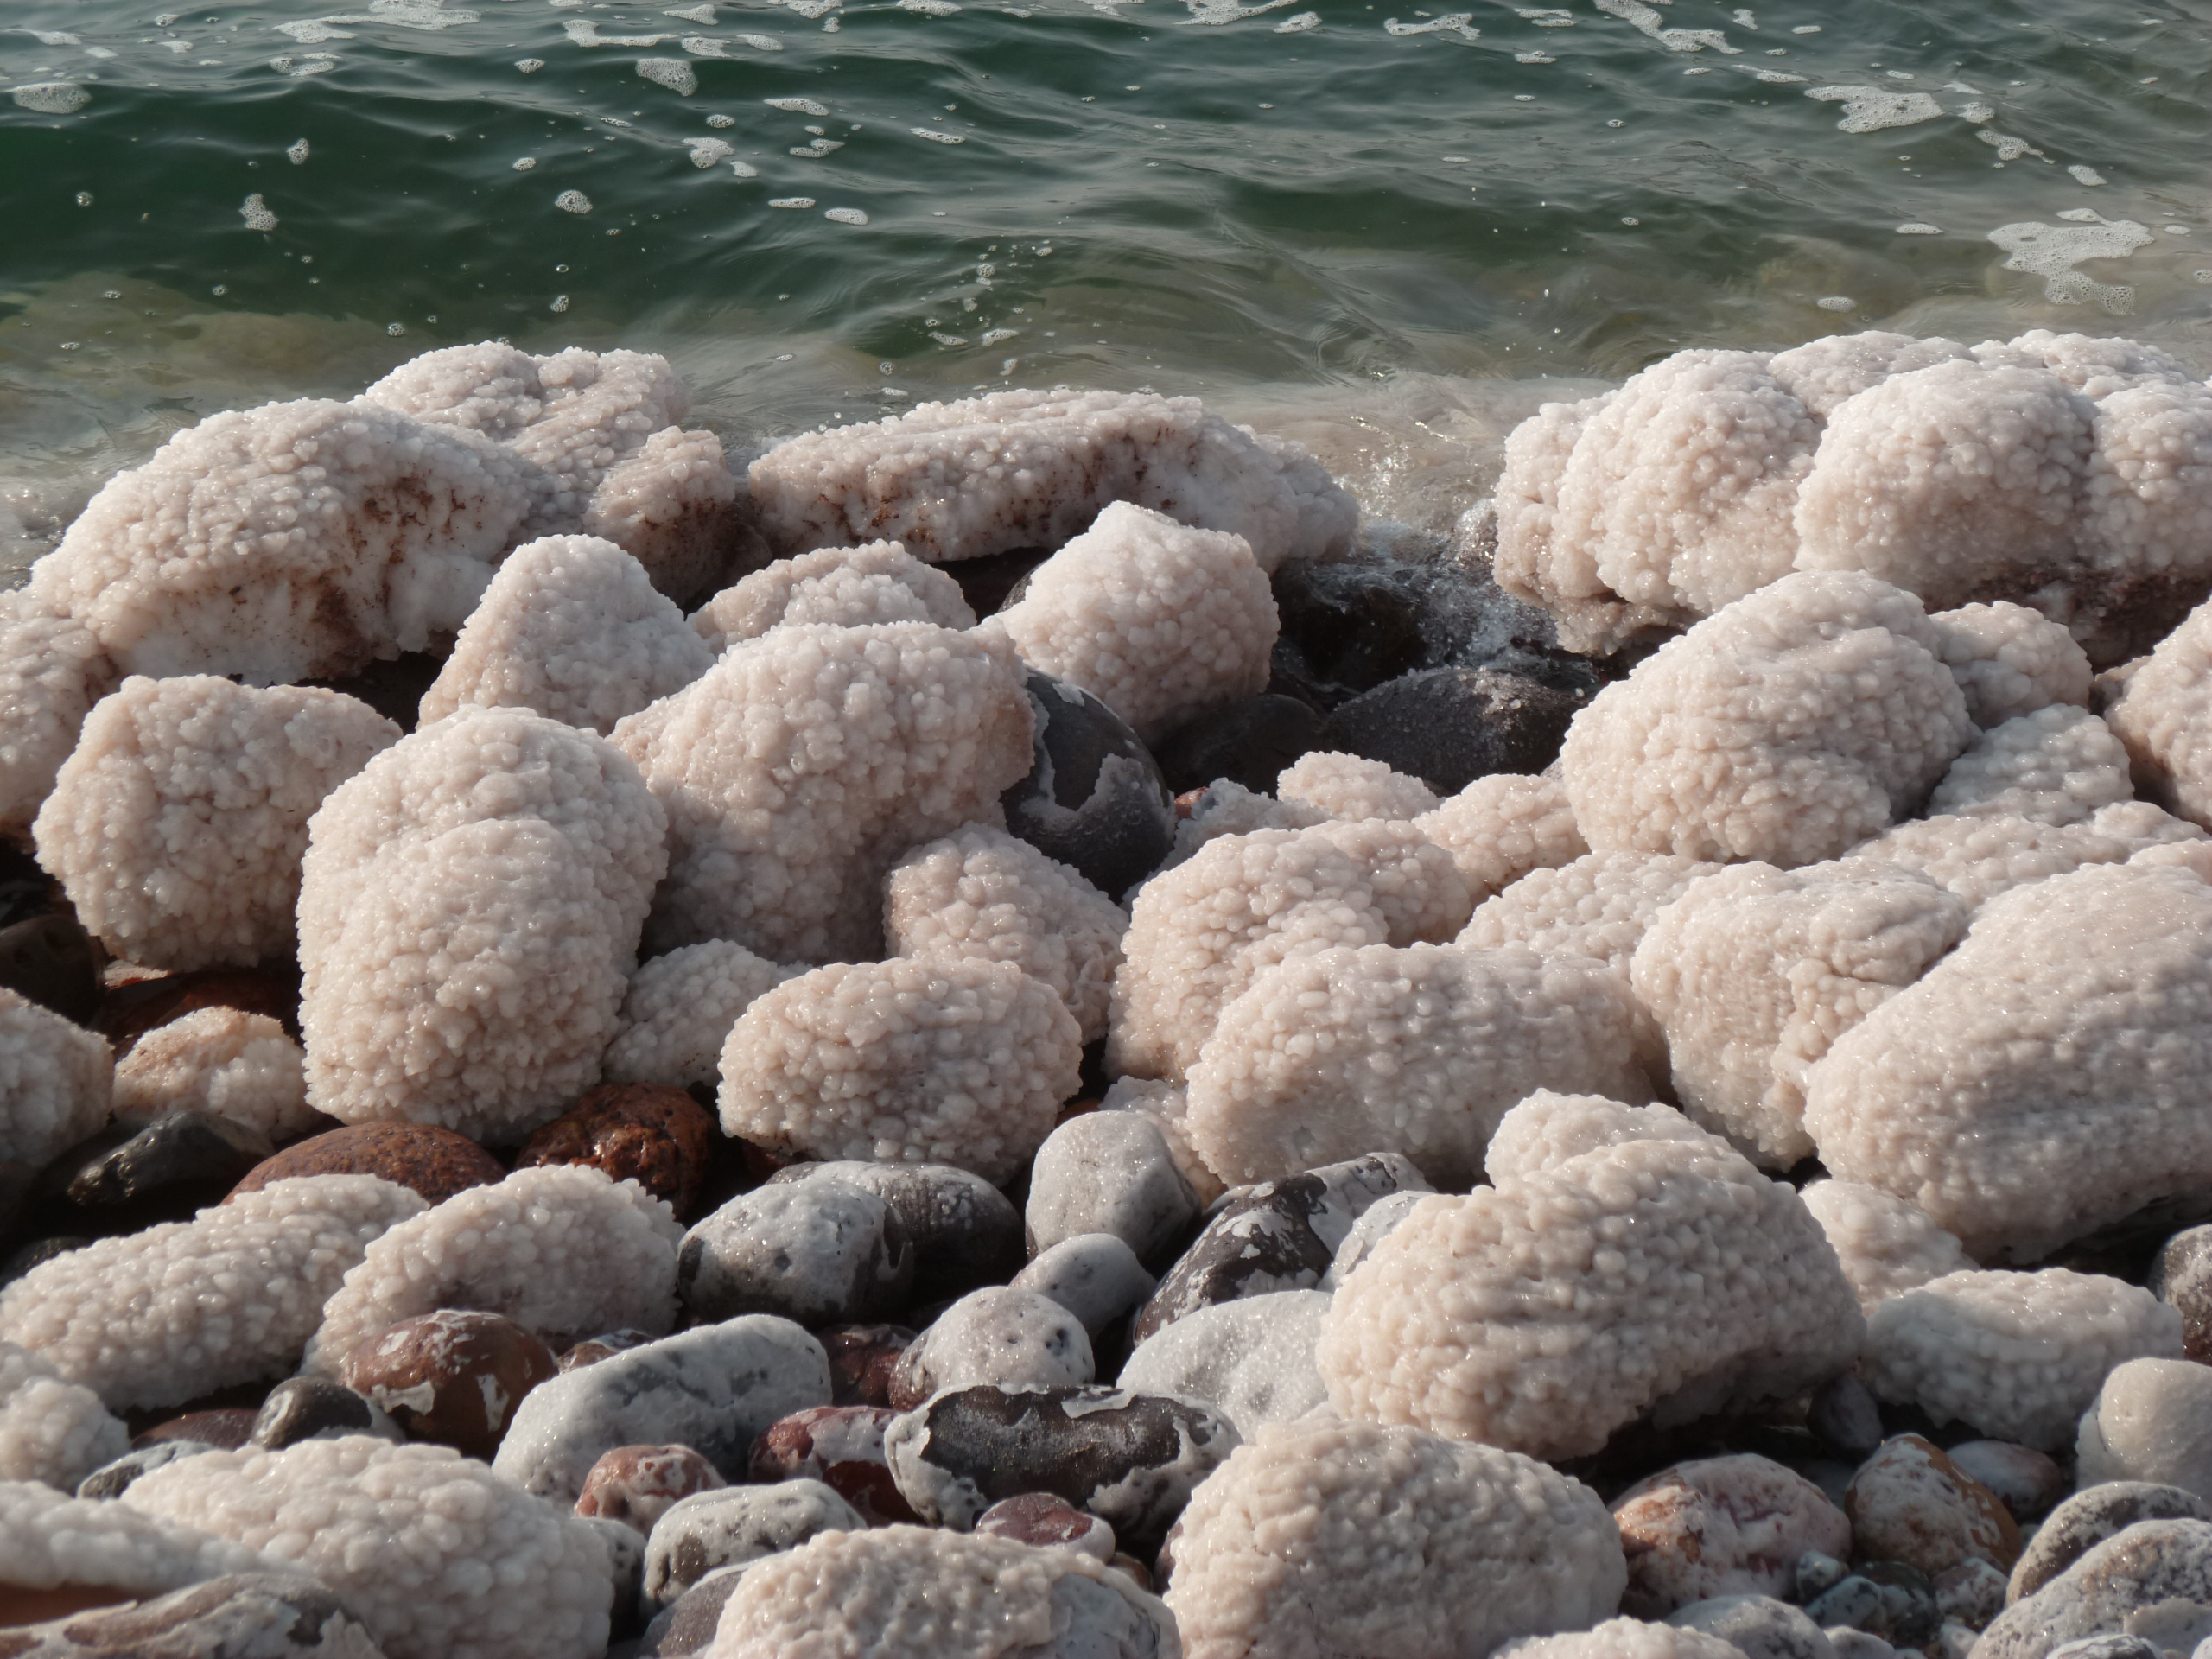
(1503, 827)
(1033, 468)
(186, 1307)
(805, 761)
(51, 1430)
(1156, 620)
(52, 671)
(56, 1081)
(1980, 858)
(911, 1060)
(48, 1539)
(1225, 808)
(2163, 713)
(2039, 1082)
(984, 895)
(1326, 1539)
(1251, 1359)
(1622, 1638)
(563, 1249)
(679, 1009)
(1167, 1104)
(2060, 765)
(240, 1065)
(1672, 1279)
(1349, 786)
(1885, 1246)
(572, 628)
(2018, 1356)
(851, 586)
(177, 824)
(437, 1555)
(1332, 1054)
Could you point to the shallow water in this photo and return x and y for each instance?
(1372, 226)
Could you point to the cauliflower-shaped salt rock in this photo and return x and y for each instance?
(1033, 469)
(1663, 1276)
(178, 825)
(52, 671)
(184, 1308)
(1418, 1050)
(1753, 972)
(56, 1081)
(2060, 765)
(1348, 787)
(437, 1555)
(679, 1010)
(1501, 827)
(1886, 1247)
(852, 587)
(2043, 1080)
(573, 628)
(916, 1060)
(1978, 858)
(1789, 728)
(1326, 1539)
(52, 1430)
(2164, 714)
(48, 1540)
(1156, 620)
(805, 762)
(2010, 661)
(240, 1065)
(562, 1250)
(1227, 808)
(983, 894)
(1623, 1638)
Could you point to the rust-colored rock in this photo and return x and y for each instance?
(862, 1359)
(637, 1484)
(654, 1134)
(437, 1162)
(604, 1345)
(842, 1447)
(452, 1377)
(1732, 1526)
(1910, 1502)
(129, 1012)
(1048, 1521)
(226, 1429)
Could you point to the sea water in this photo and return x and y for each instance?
(1390, 232)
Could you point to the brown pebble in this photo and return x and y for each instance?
(225, 1430)
(604, 1345)
(21, 1606)
(862, 1359)
(1187, 802)
(129, 1012)
(637, 1484)
(842, 1447)
(452, 1376)
(437, 1162)
(650, 1132)
(1044, 1518)
(1910, 1502)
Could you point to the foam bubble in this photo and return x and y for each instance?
(414, 14)
(674, 73)
(2052, 251)
(584, 32)
(1299, 24)
(573, 201)
(1916, 227)
(692, 14)
(297, 151)
(817, 150)
(1871, 108)
(796, 105)
(314, 63)
(560, 302)
(257, 214)
(56, 37)
(524, 163)
(2088, 175)
(705, 152)
(2080, 215)
(52, 97)
(2008, 148)
(1545, 17)
(1456, 22)
(947, 339)
(745, 169)
(721, 120)
(814, 8)
(791, 201)
(1745, 19)
(314, 31)
(937, 137)
(844, 215)
(529, 66)
(1534, 57)
(762, 42)
(928, 7)
(1214, 13)
(1642, 19)
(1978, 113)
(996, 336)
(1836, 302)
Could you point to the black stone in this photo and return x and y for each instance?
(1846, 1416)
(190, 1158)
(2088, 1519)
(393, 689)
(26, 890)
(113, 1479)
(37, 1254)
(997, 580)
(1249, 741)
(1094, 796)
(51, 960)
(964, 1231)
(1450, 726)
(266, 1615)
(300, 1407)
(1346, 627)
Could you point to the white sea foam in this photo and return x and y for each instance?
(844, 215)
(2089, 175)
(314, 31)
(928, 7)
(1871, 108)
(573, 201)
(692, 14)
(1917, 227)
(705, 152)
(314, 63)
(2052, 251)
(1836, 302)
(1456, 22)
(674, 73)
(796, 105)
(1299, 24)
(937, 137)
(257, 214)
(297, 152)
(791, 201)
(745, 169)
(1645, 21)
(583, 32)
(52, 97)
(2008, 148)
(529, 66)
(524, 163)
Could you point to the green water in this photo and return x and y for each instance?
(1372, 225)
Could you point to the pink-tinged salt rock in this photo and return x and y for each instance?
(637, 1484)
(1910, 1502)
(1730, 1526)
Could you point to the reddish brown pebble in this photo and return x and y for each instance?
(654, 1134)
(129, 1012)
(604, 1345)
(862, 1357)
(1187, 802)
(1044, 1519)
(437, 1162)
(842, 1447)
(637, 1484)
(225, 1430)
(1135, 1568)
(451, 1376)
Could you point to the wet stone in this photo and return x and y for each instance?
(434, 1162)
(315, 1408)
(1844, 1415)
(1108, 1173)
(51, 960)
(1815, 1573)
(1853, 1600)
(1910, 1502)
(182, 1161)
(637, 1484)
(455, 1376)
(113, 1479)
(227, 1428)
(963, 1230)
(817, 1252)
(2154, 1580)
(861, 1360)
(654, 1134)
(842, 1447)
(1722, 1526)
(735, 1526)
(688, 1625)
(1094, 796)
(1249, 741)
(1908, 1600)
(1759, 1627)
(1450, 726)
(1049, 1522)
(2026, 1481)
(1131, 1459)
(997, 580)
(1345, 628)
(1095, 1277)
(2088, 1518)
(1013, 1338)
(129, 1012)
(604, 1345)
(248, 1615)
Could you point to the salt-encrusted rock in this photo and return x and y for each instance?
(861, 1360)
(626, 1563)
(2108, 1647)
(1226, 809)
(1132, 1459)
(52, 1430)
(1971, 1593)
(679, 1009)
(2059, 764)
(187, 1308)
(1351, 787)
(2029, 1088)
(113, 1478)
(1696, 1283)
(56, 1081)
(1499, 828)
(712, 1387)
(636, 1486)
(434, 1553)
(864, 1593)
(1421, 1051)
(1375, 1225)
(2159, 713)
(455, 1376)
(654, 1133)
(1909, 1503)
(178, 823)
(2153, 1580)
(495, 849)
(1622, 1638)
(52, 671)
(1344, 1540)
(1108, 1173)
(49, 1541)
(852, 587)
(175, 1164)
(242, 1615)
(1093, 798)
(2018, 1356)
(1247, 741)
(562, 1250)
(2027, 1481)
(1280, 1234)
(2090, 1517)
(904, 1061)
(780, 831)
(315, 1408)
(1887, 1246)
(241, 1066)
(224, 1427)
(2151, 1420)
(1156, 620)
(842, 1447)
(1753, 972)
(983, 894)
(1031, 468)
(425, 1159)
(2182, 1277)
(1978, 858)
(1003, 1337)
(965, 1232)
(1450, 726)
(686, 1626)
(1167, 1104)
(736, 1526)
(1721, 1527)
(817, 1252)
(1758, 1627)
(604, 1345)
(1044, 1518)
(1095, 1277)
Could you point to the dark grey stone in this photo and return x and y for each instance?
(1450, 726)
(113, 1479)
(819, 1252)
(964, 1231)
(1094, 796)
(1095, 1277)
(314, 1409)
(1845, 1416)
(2090, 1517)
(181, 1152)
(1249, 741)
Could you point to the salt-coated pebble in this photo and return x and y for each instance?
(1759, 1627)
(2181, 1277)
(2153, 1580)
(817, 1252)
(1093, 798)
(276, 1615)
(1012, 1338)
(964, 1231)
(1252, 1359)
(112, 1479)
(1049, 1521)
(2026, 1481)
(2091, 1516)
(636, 1486)
(2151, 1420)
(737, 1525)
(1971, 1593)
(1095, 1277)
(842, 1447)
(1721, 1527)
(1910, 1502)
(1108, 1173)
